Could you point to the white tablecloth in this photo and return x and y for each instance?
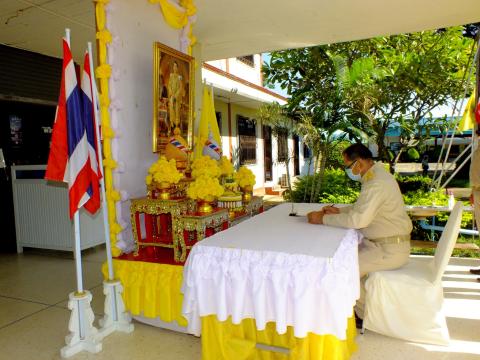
(278, 268)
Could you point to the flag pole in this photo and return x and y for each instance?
(76, 222)
(96, 118)
(115, 318)
(83, 335)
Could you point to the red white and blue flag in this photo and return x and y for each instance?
(212, 149)
(73, 157)
(175, 142)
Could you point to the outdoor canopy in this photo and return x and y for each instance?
(233, 28)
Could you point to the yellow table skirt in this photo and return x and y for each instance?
(225, 341)
(151, 289)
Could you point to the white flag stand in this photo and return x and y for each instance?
(83, 335)
(115, 317)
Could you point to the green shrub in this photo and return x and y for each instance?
(413, 154)
(335, 157)
(336, 188)
(425, 198)
(413, 183)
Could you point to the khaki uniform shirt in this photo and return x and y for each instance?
(379, 211)
(475, 170)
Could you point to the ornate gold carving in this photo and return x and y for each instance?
(199, 224)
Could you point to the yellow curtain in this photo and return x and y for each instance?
(150, 288)
(225, 341)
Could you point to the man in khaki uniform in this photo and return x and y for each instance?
(379, 213)
(475, 185)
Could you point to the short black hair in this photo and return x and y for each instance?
(358, 151)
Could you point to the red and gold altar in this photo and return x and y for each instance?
(177, 212)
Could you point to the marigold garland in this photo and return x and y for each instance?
(163, 170)
(205, 187)
(245, 177)
(226, 166)
(205, 166)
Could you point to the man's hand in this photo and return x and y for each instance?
(330, 210)
(315, 217)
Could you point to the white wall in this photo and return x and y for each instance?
(246, 72)
(136, 24)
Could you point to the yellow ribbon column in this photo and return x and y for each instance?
(103, 73)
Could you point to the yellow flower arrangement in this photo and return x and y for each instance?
(205, 188)
(226, 166)
(244, 177)
(163, 171)
(205, 166)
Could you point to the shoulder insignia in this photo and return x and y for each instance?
(370, 175)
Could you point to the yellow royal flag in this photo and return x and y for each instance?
(208, 126)
(468, 118)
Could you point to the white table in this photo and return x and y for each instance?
(275, 268)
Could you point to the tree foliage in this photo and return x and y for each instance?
(364, 87)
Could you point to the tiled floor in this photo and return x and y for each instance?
(33, 316)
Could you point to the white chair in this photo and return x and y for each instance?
(406, 303)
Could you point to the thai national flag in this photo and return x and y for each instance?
(477, 112)
(71, 158)
(89, 113)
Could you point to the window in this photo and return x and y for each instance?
(282, 142)
(218, 115)
(247, 60)
(247, 140)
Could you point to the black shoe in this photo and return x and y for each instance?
(358, 322)
(475, 271)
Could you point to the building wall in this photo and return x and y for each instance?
(240, 69)
(246, 72)
(258, 168)
(135, 25)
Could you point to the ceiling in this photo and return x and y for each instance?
(37, 25)
(228, 28)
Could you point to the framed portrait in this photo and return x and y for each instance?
(173, 95)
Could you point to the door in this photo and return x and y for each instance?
(267, 152)
(296, 156)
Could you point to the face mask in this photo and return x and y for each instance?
(351, 175)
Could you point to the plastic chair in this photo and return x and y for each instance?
(406, 303)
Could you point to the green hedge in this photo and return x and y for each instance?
(413, 183)
(336, 188)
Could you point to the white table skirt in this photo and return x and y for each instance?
(275, 268)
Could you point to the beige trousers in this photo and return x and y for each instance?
(476, 206)
(374, 256)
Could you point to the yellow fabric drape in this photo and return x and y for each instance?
(150, 288)
(103, 73)
(208, 123)
(225, 341)
(174, 17)
(178, 18)
(468, 118)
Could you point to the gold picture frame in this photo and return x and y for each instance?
(173, 96)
